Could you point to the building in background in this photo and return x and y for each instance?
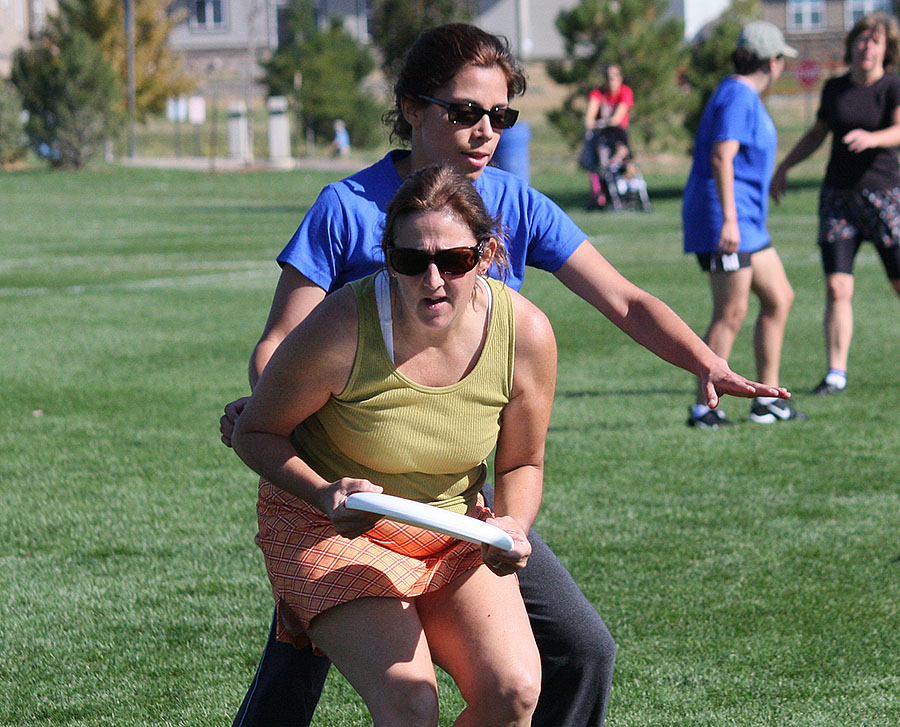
(223, 41)
(818, 28)
(20, 21)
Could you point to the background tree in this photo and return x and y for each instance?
(396, 23)
(157, 71)
(12, 131)
(649, 47)
(710, 57)
(322, 73)
(73, 98)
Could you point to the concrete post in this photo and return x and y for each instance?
(279, 132)
(238, 132)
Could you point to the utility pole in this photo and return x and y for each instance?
(129, 42)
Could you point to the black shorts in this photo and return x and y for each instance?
(847, 218)
(727, 262)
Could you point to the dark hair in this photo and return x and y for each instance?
(745, 61)
(439, 188)
(875, 21)
(438, 55)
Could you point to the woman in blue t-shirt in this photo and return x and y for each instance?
(724, 215)
(860, 197)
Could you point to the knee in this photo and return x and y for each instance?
(591, 648)
(519, 693)
(413, 703)
(510, 698)
(779, 305)
(839, 288)
(730, 317)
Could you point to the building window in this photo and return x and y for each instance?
(208, 14)
(805, 15)
(856, 10)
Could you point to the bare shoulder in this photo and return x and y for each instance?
(325, 341)
(534, 333)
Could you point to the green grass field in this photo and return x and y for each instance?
(749, 576)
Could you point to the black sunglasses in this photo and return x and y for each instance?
(469, 114)
(453, 261)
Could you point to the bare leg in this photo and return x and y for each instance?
(776, 297)
(478, 631)
(838, 319)
(729, 293)
(378, 644)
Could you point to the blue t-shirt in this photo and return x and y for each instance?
(734, 113)
(339, 239)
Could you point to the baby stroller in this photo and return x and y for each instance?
(616, 179)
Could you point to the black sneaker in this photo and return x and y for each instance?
(825, 389)
(711, 420)
(778, 411)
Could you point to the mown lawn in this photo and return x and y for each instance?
(750, 576)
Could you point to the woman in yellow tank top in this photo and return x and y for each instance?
(404, 383)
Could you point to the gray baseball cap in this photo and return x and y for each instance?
(765, 40)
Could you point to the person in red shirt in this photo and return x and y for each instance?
(608, 110)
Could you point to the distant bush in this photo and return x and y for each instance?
(73, 99)
(12, 132)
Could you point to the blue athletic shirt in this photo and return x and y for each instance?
(735, 112)
(339, 239)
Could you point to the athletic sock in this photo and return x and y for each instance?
(836, 377)
(699, 410)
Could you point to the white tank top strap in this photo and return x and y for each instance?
(383, 303)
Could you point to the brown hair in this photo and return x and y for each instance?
(875, 21)
(438, 55)
(439, 188)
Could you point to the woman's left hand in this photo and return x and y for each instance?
(504, 562)
(859, 140)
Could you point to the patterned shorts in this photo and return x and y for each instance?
(312, 568)
(846, 218)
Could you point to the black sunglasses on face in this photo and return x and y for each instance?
(453, 261)
(469, 114)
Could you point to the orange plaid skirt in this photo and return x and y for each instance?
(312, 568)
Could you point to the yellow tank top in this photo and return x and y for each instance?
(424, 443)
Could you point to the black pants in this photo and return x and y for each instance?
(577, 656)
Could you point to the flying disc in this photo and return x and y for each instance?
(430, 517)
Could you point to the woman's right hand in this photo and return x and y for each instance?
(778, 186)
(333, 502)
(230, 417)
(730, 237)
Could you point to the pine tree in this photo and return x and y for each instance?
(636, 35)
(72, 95)
(330, 66)
(397, 23)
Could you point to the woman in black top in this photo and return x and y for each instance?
(860, 197)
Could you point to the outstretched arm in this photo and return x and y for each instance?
(654, 325)
(807, 144)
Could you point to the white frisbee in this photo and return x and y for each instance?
(430, 517)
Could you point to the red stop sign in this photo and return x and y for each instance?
(808, 72)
